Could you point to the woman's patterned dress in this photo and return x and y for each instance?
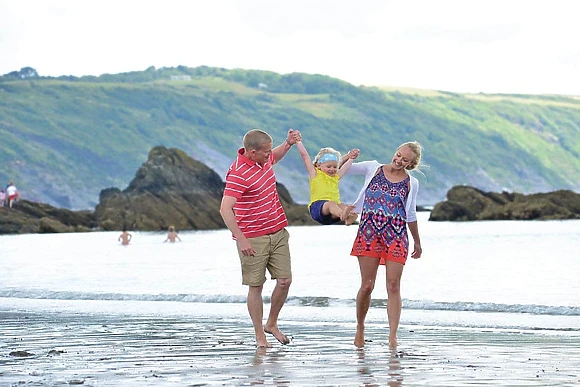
(382, 231)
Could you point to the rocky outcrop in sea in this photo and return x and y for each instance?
(465, 203)
(28, 217)
(170, 188)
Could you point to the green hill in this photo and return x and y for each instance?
(64, 139)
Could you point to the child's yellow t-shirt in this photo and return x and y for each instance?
(324, 187)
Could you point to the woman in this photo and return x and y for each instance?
(387, 205)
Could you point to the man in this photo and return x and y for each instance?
(253, 213)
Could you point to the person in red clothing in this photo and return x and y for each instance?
(11, 193)
(252, 211)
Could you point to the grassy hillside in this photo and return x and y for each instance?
(64, 139)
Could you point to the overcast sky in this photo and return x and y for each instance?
(490, 46)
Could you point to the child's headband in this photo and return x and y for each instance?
(327, 157)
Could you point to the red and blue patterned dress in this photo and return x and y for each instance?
(382, 231)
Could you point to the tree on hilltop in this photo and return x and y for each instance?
(24, 73)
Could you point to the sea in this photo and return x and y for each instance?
(516, 274)
(521, 277)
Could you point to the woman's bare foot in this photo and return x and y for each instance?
(392, 342)
(359, 338)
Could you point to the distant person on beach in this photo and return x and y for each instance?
(172, 235)
(2, 197)
(324, 174)
(125, 237)
(11, 193)
(252, 211)
(387, 204)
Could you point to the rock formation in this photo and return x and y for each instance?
(468, 203)
(171, 188)
(30, 218)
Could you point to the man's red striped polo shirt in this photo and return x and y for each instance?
(258, 209)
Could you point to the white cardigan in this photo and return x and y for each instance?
(369, 168)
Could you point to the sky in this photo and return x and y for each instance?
(465, 46)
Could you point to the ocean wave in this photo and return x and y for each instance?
(322, 302)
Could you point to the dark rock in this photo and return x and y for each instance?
(468, 203)
(107, 193)
(171, 188)
(29, 217)
(51, 225)
(56, 352)
(21, 354)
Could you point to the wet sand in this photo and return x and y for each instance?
(61, 348)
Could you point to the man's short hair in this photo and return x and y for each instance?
(256, 138)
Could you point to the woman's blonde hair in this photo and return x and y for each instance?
(324, 151)
(417, 149)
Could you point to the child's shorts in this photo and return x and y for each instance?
(316, 213)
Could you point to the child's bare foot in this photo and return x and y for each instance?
(347, 210)
(350, 218)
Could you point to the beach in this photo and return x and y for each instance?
(481, 307)
(99, 349)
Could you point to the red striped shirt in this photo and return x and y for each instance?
(258, 209)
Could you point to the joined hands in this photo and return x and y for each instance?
(293, 137)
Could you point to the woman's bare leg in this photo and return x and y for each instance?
(368, 272)
(394, 303)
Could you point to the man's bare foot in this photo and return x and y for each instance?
(359, 338)
(346, 212)
(350, 218)
(278, 335)
(263, 344)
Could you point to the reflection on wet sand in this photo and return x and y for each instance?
(268, 367)
(370, 378)
(54, 348)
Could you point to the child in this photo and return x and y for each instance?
(125, 237)
(172, 235)
(325, 206)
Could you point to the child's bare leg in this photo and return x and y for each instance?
(333, 209)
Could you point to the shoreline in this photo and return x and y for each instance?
(115, 350)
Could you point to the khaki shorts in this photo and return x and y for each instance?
(272, 253)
